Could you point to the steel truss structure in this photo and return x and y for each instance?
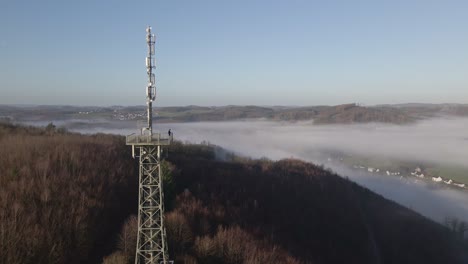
(151, 239)
(152, 243)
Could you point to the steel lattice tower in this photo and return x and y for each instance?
(152, 243)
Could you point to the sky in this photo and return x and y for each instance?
(212, 52)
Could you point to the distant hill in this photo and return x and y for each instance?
(419, 110)
(58, 205)
(339, 114)
(352, 113)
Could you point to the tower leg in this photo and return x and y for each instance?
(151, 244)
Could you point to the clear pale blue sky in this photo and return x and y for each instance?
(234, 52)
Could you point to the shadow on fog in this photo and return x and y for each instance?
(440, 140)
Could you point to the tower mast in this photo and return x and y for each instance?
(151, 239)
(151, 87)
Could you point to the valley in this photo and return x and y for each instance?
(432, 147)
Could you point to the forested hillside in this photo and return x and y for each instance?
(310, 213)
(62, 196)
(69, 198)
(339, 114)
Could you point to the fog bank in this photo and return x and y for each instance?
(441, 140)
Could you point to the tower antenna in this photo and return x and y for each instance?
(151, 86)
(151, 239)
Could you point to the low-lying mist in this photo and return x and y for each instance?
(440, 141)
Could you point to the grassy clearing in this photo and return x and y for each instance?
(383, 164)
(456, 173)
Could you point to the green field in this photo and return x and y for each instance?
(456, 173)
(446, 171)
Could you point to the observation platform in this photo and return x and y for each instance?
(144, 140)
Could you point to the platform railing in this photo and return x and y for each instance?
(153, 139)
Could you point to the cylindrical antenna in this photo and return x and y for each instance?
(151, 87)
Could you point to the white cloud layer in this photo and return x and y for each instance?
(440, 141)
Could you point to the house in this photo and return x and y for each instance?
(438, 179)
